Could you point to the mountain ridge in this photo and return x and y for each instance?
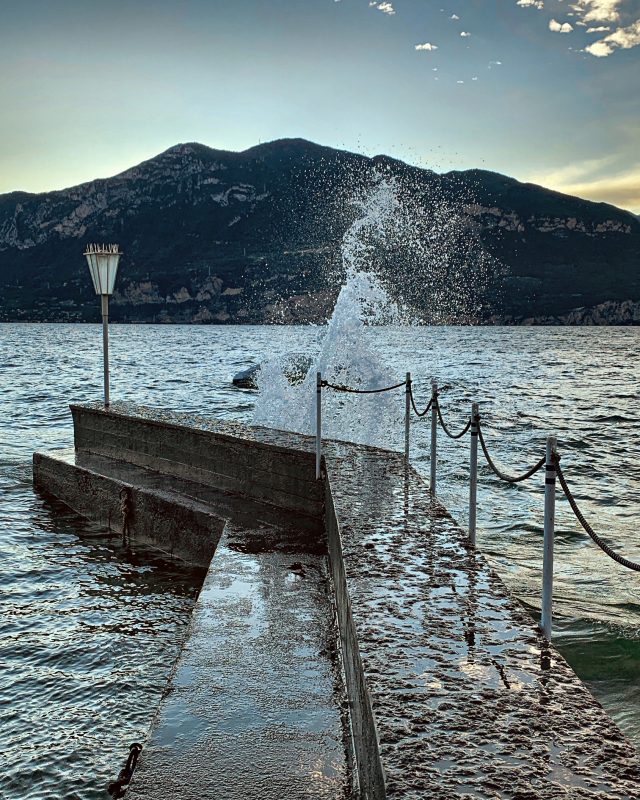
(226, 236)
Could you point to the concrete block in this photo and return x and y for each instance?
(180, 529)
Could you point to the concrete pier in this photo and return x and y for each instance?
(254, 707)
(347, 642)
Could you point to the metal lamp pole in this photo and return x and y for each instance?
(103, 265)
(105, 346)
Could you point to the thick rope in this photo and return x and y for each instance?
(415, 408)
(447, 431)
(580, 517)
(502, 475)
(340, 388)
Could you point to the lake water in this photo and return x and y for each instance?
(88, 633)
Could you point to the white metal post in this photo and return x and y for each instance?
(318, 422)
(407, 417)
(546, 621)
(105, 346)
(473, 475)
(434, 434)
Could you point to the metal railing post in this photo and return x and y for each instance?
(434, 434)
(318, 422)
(473, 474)
(407, 417)
(546, 620)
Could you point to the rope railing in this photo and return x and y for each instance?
(338, 387)
(550, 461)
(625, 562)
(444, 427)
(503, 475)
(415, 407)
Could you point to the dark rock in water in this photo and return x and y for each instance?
(295, 367)
(247, 378)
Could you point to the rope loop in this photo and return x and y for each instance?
(415, 407)
(624, 562)
(338, 387)
(503, 475)
(447, 431)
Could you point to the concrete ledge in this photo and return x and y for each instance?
(264, 472)
(452, 690)
(179, 528)
(253, 710)
(366, 755)
(468, 698)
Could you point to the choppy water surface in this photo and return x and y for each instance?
(88, 632)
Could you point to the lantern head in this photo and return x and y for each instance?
(103, 265)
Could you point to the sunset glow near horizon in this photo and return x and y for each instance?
(543, 90)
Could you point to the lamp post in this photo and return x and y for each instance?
(103, 266)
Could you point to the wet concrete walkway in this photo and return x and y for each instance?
(252, 710)
(447, 678)
(468, 699)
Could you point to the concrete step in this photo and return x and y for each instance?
(261, 470)
(129, 501)
(181, 518)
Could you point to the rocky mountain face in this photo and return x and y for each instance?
(218, 237)
(608, 313)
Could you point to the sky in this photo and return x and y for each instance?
(546, 91)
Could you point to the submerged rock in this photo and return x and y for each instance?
(294, 366)
(247, 378)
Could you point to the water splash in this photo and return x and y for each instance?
(412, 255)
(345, 355)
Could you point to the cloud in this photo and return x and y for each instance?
(623, 190)
(464, 34)
(599, 29)
(426, 46)
(596, 179)
(539, 4)
(560, 27)
(598, 10)
(454, 16)
(385, 7)
(599, 49)
(575, 171)
(623, 38)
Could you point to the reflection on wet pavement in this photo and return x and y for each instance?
(468, 700)
(253, 709)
